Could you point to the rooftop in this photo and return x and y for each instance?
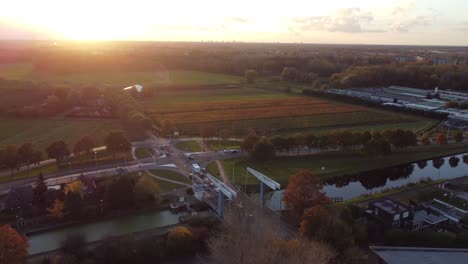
(390, 206)
(413, 255)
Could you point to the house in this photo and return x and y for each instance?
(415, 255)
(405, 59)
(19, 197)
(445, 61)
(393, 214)
(423, 218)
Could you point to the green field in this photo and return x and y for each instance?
(335, 163)
(191, 146)
(222, 144)
(171, 175)
(144, 152)
(41, 132)
(26, 72)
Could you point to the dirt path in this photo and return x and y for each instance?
(168, 180)
(220, 165)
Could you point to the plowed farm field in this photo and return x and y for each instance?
(263, 110)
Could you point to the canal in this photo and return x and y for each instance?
(378, 180)
(48, 241)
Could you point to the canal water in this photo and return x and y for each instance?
(376, 181)
(47, 241)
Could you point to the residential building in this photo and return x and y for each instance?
(417, 255)
(393, 214)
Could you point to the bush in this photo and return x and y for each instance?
(179, 241)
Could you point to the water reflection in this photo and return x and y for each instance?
(350, 186)
(453, 161)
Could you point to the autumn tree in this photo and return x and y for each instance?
(58, 150)
(441, 139)
(75, 187)
(119, 193)
(28, 155)
(425, 139)
(13, 246)
(179, 239)
(250, 75)
(304, 190)
(57, 210)
(458, 136)
(84, 144)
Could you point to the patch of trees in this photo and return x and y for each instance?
(13, 157)
(13, 246)
(453, 77)
(130, 113)
(361, 101)
(377, 143)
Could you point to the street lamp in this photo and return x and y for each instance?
(95, 158)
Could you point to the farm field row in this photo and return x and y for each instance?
(312, 123)
(27, 72)
(41, 132)
(249, 102)
(257, 113)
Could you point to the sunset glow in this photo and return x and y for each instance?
(334, 21)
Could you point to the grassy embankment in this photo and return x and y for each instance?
(335, 163)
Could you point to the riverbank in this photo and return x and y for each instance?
(329, 165)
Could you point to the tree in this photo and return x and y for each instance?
(28, 155)
(249, 142)
(438, 163)
(453, 161)
(224, 134)
(289, 74)
(262, 151)
(75, 187)
(250, 75)
(441, 139)
(119, 193)
(458, 136)
(40, 189)
(57, 209)
(11, 159)
(249, 236)
(74, 245)
(208, 132)
(117, 142)
(84, 144)
(58, 150)
(13, 246)
(179, 239)
(74, 204)
(167, 127)
(425, 140)
(379, 147)
(304, 190)
(146, 189)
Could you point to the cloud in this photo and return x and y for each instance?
(405, 25)
(403, 9)
(236, 19)
(348, 20)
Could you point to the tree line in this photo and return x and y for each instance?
(371, 143)
(13, 157)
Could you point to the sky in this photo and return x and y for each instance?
(408, 22)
